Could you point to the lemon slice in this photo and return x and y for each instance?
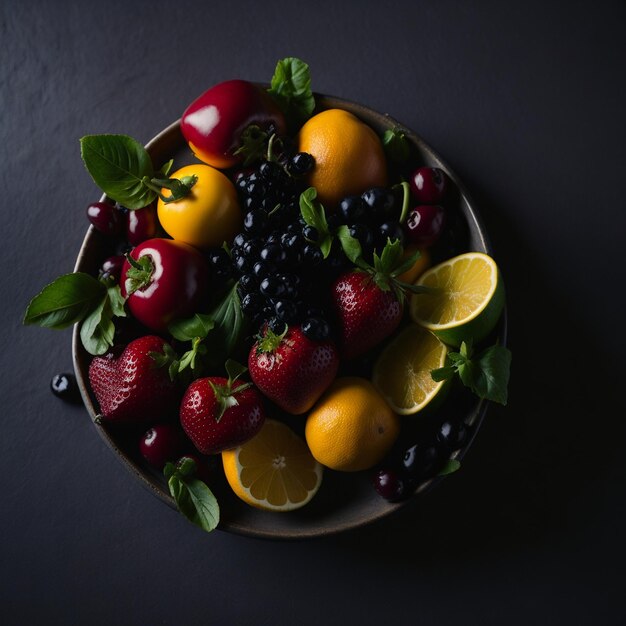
(402, 371)
(274, 470)
(468, 301)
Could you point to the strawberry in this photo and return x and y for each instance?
(291, 369)
(220, 413)
(134, 387)
(369, 301)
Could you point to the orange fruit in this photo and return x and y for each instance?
(418, 268)
(274, 470)
(349, 156)
(351, 427)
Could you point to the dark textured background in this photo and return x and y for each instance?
(526, 102)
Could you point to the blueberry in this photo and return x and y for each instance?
(292, 284)
(241, 263)
(239, 240)
(452, 435)
(263, 269)
(273, 252)
(352, 209)
(270, 171)
(276, 325)
(248, 282)
(316, 328)
(252, 303)
(300, 164)
(310, 233)
(364, 235)
(255, 222)
(420, 461)
(381, 201)
(286, 310)
(311, 255)
(64, 386)
(220, 262)
(391, 230)
(272, 286)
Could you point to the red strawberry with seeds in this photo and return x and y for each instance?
(220, 413)
(291, 369)
(369, 301)
(134, 387)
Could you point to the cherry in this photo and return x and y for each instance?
(452, 435)
(425, 224)
(105, 218)
(420, 461)
(112, 266)
(390, 485)
(428, 185)
(162, 443)
(142, 224)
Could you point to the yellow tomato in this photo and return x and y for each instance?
(208, 216)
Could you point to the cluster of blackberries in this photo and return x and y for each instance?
(282, 275)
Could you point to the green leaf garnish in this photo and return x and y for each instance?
(314, 215)
(189, 328)
(193, 497)
(487, 375)
(65, 301)
(451, 466)
(396, 145)
(97, 331)
(123, 169)
(291, 90)
(118, 164)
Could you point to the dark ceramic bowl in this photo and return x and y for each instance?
(345, 500)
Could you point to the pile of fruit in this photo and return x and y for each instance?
(294, 302)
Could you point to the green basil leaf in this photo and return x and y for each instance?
(406, 264)
(313, 212)
(291, 90)
(493, 367)
(443, 373)
(187, 329)
(451, 466)
(229, 327)
(195, 501)
(65, 301)
(396, 145)
(325, 245)
(351, 245)
(118, 165)
(117, 301)
(98, 331)
(391, 256)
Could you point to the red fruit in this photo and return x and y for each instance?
(214, 123)
(168, 282)
(291, 369)
(142, 224)
(366, 313)
(428, 185)
(162, 443)
(219, 413)
(424, 224)
(132, 388)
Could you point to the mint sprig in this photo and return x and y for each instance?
(193, 497)
(291, 90)
(486, 375)
(396, 145)
(123, 169)
(79, 297)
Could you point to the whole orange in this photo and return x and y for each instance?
(351, 427)
(349, 156)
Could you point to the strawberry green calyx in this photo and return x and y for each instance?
(225, 394)
(269, 341)
(390, 264)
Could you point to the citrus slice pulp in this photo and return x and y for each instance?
(467, 301)
(402, 371)
(274, 470)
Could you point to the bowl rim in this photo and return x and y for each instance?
(80, 357)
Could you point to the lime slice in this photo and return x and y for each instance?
(468, 301)
(402, 371)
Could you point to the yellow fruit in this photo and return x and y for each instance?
(419, 267)
(208, 216)
(351, 427)
(349, 156)
(468, 301)
(402, 371)
(274, 470)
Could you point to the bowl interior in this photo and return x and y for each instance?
(345, 500)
